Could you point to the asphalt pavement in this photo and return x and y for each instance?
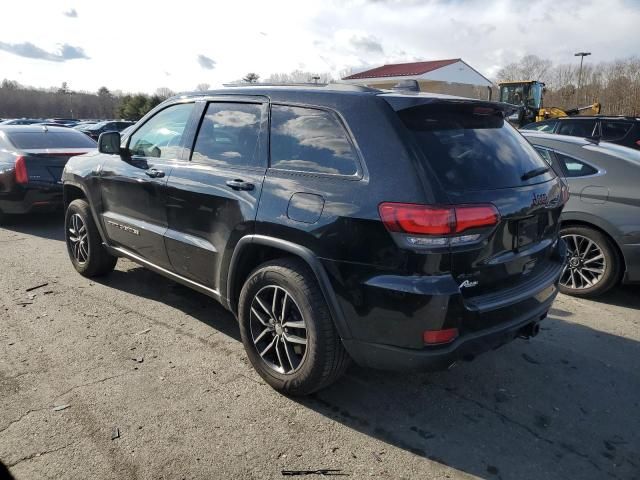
(135, 377)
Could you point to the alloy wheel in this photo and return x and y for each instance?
(78, 241)
(586, 263)
(278, 329)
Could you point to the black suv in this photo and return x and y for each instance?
(403, 231)
(621, 130)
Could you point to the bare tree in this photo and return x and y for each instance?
(251, 78)
(202, 87)
(164, 92)
(300, 76)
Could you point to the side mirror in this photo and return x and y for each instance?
(109, 142)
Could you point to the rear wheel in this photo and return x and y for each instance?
(287, 329)
(84, 244)
(593, 264)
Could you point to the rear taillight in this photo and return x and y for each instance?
(22, 176)
(638, 143)
(437, 226)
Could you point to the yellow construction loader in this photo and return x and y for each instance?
(527, 96)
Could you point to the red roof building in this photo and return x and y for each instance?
(453, 76)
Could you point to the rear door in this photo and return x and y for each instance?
(133, 186)
(479, 159)
(213, 194)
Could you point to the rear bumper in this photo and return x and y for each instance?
(29, 199)
(388, 314)
(387, 357)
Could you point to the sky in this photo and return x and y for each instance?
(141, 45)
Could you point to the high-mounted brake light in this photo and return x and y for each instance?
(22, 176)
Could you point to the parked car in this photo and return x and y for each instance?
(50, 124)
(601, 222)
(84, 124)
(404, 231)
(67, 122)
(621, 130)
(96, 129)
(22, 121)
(31, 163)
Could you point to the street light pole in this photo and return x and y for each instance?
(581, 55)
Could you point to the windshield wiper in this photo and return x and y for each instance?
(534, 173)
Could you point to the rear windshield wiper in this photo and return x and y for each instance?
(534, 173)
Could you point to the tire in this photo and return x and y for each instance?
(92, 260)
(601, 255)
(324, 358)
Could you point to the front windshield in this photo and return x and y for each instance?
(522, 94)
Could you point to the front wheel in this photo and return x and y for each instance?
(287, 330)
(593, 264)
(84, 244)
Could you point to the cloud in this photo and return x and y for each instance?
(71, 13)
(206, 62)
(368, 44)
(29, 50)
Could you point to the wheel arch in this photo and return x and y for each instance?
(252, 250)
(580, 222)
(74, 191)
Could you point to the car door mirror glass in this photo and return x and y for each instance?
(109, 142)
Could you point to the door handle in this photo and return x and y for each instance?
(239, 184)
(153, 173)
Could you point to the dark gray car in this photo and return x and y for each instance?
(601, 222)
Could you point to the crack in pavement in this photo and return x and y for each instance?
(39, 454)
(21, 417)
(95, 382)
(30, 411)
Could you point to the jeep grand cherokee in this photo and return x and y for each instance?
(403, 231)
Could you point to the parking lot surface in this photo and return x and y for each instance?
(134, 376)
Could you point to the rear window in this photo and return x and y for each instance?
(472, 148)
(35, 140)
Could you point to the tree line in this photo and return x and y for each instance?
(17, 101)
(615, 84)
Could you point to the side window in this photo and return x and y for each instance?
(546, 126)
(160, 136)
(310, 140)
(615, 130)
(229, 134)
(575, 168)
(577, 128)
(544, 153)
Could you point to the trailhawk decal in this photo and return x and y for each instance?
(468, 284)
(124, 227)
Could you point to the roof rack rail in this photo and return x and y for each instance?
(349, 87)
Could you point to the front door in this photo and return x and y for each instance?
(133, 185)
(212, 197)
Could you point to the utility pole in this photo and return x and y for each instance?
(581, 55)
